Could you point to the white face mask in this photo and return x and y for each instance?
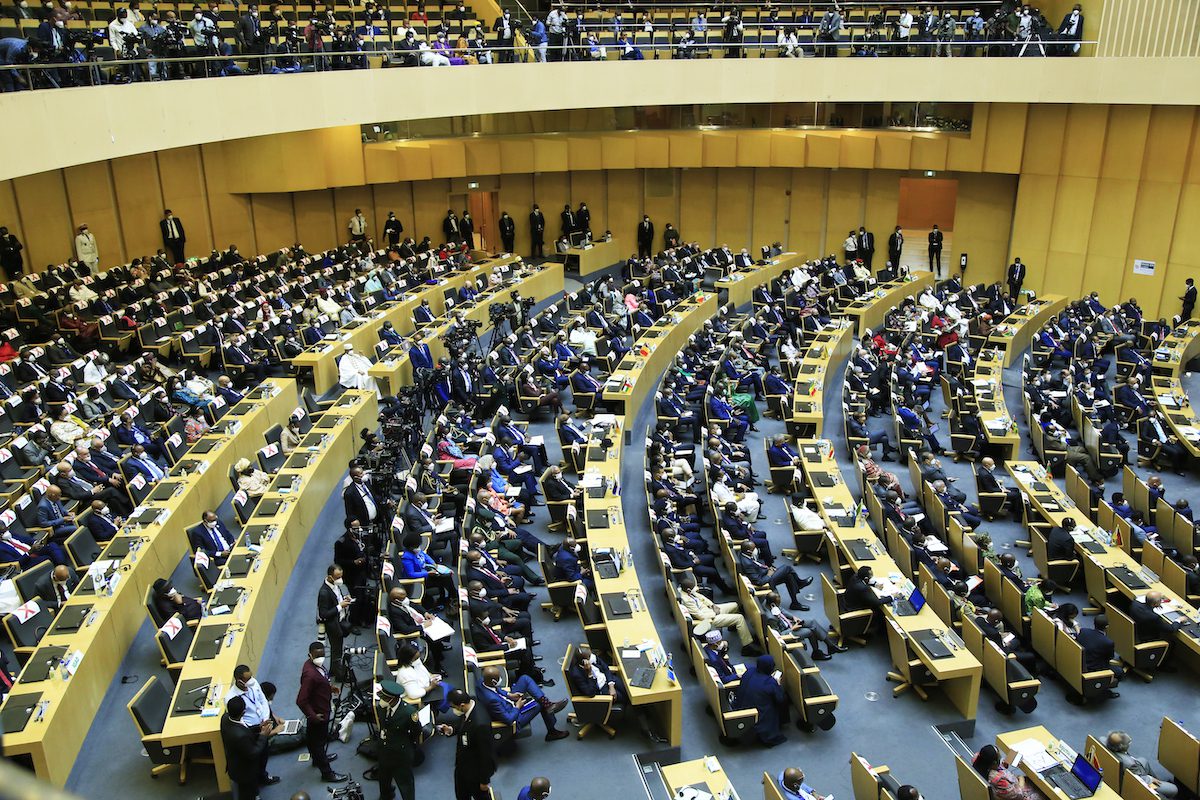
(319, 661)
(338, 582)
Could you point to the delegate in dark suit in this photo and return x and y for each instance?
(51, 593)
(474, 761)
(245, 749)
(173, 237)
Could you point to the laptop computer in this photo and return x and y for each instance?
(165, 490)
(1080, 781)
(597, 519)
(208, 642)
(299, 460)
(18, 709)
(238, 565)
(910, 606)
(205, 445)
(643, 677)
(190, 696)
(617, 605)
(117, 548)
(861, 550)
(268, 507)
(41, 662)
(70, 618)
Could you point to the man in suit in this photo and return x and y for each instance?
(895, 247)
(569, 221)
(1118, 743)
(213, 537)
(935, 251)
(1148, 624)
(132, 434)
(645, 237)
(1189, 299)
(358, 500)
(392, 228)
(508, 231)
(51, 513)
(245, 749)
(519, 702)
(333, 611)
(173, 236)
(993, 629)
(707, 615)
(865, 242)
(85, 483)
(11, 260)
(250, 37)
(474, 761)
(1059, 544)
(990, 482)
(570, 566)
(1016, 277)
(102, 523)
(762, 573)
(537, 231)
(55, 587)
(1099, 651)
(315, 702)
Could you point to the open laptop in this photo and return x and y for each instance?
(910, 606)
(1080, 781)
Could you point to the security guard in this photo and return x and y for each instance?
(399, 731)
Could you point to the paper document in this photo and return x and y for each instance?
(1033, 754)
(437, 629)
(522, 470)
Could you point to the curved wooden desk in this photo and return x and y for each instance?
(53, 735)
(1176, 351)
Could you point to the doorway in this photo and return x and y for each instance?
(483, 207)
(925, 202)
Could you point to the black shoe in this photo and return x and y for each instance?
(555, 706)
(546, 682)
(335, 777)
(820, 655)
(836, 648)
(270, 780)
(536, 642)
(331, 757)
(537, 659)
(751, 651)
(535, 582)
(887, 458)
(555, 735)
(1112, 695)
(796, 605)
(805, 582)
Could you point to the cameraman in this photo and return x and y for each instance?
(207, 38)
(126, 43)
(172, 45)
(151, 31)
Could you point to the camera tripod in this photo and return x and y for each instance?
(351, 697)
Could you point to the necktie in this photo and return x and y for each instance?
(62, 593)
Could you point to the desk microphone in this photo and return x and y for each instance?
(204, 687)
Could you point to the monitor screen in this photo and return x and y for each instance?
(1088, 775)
(917, 599)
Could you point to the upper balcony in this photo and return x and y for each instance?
(1131, 52)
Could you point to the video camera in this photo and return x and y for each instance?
(88, 39)
(499, 312)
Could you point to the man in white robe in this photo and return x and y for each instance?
(354, 370)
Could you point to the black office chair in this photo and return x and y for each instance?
(149, 709)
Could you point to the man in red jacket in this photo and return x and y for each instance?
(315, 701)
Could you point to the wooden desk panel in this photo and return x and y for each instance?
(960, 674)
(54, 742)
(588, 260)
(741, 284)
(1005, 742)
(264, 585)
(1013, 335)
(869, 311)
(1179, 348)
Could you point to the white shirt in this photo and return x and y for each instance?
(414, 679)
(94, 372)
(358, 225)
(352, 371)
(258, 710)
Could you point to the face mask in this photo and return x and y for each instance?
(338, 582)
(458, 712)
(319, 661)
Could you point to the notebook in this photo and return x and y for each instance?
(617, 605)
(70, 618)
(205, 445)
(41, 662)
(165, 490)
(18, 709)
(239, 565)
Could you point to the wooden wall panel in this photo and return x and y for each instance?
(430, 201)
(274, 221)
(552, 190)
(1154, 221)
(90, 194)
(982, 224)
(846, 204)
(395, 197)
(1171, 135)
(316, 227)
(1031, 221)
(1004, 126)
(660, 199)
(1126, 142)
(882, 207)
(966, 153)
(1083, 140)
(1109, 236)
(734, 199)
(139, 193)
(551, 154)
(1072, 218)
(181, 171)
(1042, 153)
(229, 213)
(49, 226)
(697, 206)
(625, 205)
(771, 207)
(806, 220)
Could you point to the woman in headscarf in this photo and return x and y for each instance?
(759, 690)
(1004, 782)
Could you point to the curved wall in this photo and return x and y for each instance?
(67, 127)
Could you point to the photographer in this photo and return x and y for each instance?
(318, 28)
(151, 31)
(207, 39)
(172, 44)
(126, 43)
(288, 48)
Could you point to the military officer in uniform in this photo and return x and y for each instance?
(398, 735)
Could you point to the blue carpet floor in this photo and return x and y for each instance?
(896, 732)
